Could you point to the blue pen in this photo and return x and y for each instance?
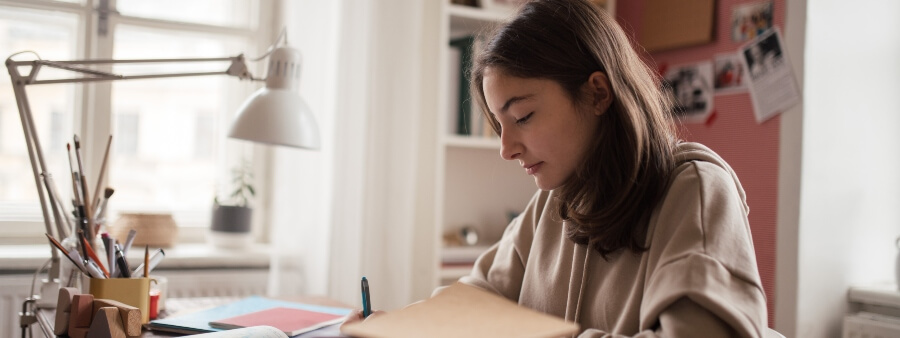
(367, 303)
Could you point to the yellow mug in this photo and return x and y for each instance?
(131, 291)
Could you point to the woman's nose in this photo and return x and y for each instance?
(510, 147)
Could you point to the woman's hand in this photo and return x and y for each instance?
(357, 316)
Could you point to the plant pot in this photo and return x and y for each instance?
(230, 218)
(230, 227)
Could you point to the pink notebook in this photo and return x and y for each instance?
(290, 321)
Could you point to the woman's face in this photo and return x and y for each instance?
(541, 127)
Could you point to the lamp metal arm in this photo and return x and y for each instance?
(237, 68)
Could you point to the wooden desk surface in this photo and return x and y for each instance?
(180, 306)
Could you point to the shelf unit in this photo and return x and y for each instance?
(474, 187)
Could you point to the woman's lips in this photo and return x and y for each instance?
(532, 169)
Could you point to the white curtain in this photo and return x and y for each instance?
(356, 208)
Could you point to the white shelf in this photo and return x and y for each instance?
(472, 142)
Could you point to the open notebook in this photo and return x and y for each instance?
(462, 310)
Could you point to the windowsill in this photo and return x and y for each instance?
(17, 259)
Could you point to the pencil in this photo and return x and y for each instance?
(147, 261)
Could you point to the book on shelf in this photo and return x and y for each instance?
(291, 321)
(468, 118)
(464, 45)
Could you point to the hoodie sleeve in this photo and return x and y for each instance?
(702, 251)
(502, 267)
(684, 318)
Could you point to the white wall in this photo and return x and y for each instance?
(850, 189)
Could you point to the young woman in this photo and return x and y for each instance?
(632, 232)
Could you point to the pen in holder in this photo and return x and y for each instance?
(131, 291)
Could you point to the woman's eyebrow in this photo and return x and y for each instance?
(514, 100)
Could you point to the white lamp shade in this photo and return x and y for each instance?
(276, 114)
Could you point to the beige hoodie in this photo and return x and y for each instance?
(698, 278)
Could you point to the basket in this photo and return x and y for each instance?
(156, 230)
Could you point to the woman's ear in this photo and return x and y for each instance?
(600, 91)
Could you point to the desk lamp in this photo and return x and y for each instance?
(274, 114)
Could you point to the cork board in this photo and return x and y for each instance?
(669, 24)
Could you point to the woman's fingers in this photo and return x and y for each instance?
(353, 317)
(357, 316)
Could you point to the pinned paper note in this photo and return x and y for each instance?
(773, 88)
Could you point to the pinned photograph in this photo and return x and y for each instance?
(691, 86)
(773, 88)
(763, 55)
(729, 74)
(750, 20)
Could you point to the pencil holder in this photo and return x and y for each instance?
(131, 291)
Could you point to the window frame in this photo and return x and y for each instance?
(93, 114)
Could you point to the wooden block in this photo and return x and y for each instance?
(107, 323)
(63, 308)
(81, 312)
(78, 332)
(131, 316)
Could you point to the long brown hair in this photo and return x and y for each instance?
(607, 202)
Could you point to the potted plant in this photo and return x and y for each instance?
(231, 218)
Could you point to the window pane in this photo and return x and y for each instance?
(53, 35)
(231, 13)
(169, 134)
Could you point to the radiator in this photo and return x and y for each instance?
(180, 284)
(871, 325)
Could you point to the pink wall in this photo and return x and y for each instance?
(750, 148)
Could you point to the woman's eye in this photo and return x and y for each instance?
(524, 119)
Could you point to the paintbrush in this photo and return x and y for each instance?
(98, 212)
(103, 201)
(84, 190)
(96, 203)
(65, 252)
(93, 255)
(75, 190)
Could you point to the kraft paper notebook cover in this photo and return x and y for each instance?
(461, 310)
(290, 321)
(198, 322)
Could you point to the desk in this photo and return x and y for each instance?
(179, 306)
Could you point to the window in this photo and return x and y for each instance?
(169, 151)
